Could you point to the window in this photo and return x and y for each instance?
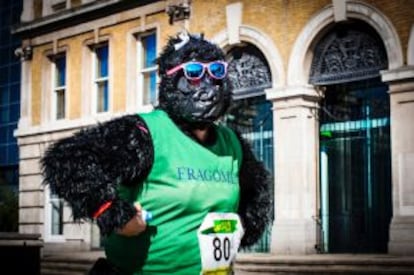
(147, 52)
(56, 224)
(54, 216)
(101, 78)
(59, 86)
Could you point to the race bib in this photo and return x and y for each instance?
(219, 238)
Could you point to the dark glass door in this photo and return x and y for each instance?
(253, 118)
(355, 168)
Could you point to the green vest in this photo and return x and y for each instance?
(186, 182)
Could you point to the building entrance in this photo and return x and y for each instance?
(250, 113)
(355, 168)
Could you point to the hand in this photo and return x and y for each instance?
(135, 226)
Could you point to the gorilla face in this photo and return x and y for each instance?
(200, 101)
(194, 87)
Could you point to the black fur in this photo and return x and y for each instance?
(255, 197)
(86, 168)
(196, 49)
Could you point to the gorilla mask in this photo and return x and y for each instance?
(194, 85)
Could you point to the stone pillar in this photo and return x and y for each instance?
(25, 86)
(401, 90)
(28, 11)
(296, 170)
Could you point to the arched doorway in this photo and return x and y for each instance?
(355, 158)
(251, 114)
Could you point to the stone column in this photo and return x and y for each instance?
(296, 170)
(28, 11)
(25, 85)
(401, 90)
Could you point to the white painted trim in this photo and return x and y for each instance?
(383, 26)
(134, 94)
(301, 55)
(46, 8)
(48, 237)
(399, 74)
(103, 22)
(26, 95)
(63, 125)
(264, 43)
(109, 78)
(339, 7)
(28, 11)
(46, 87)
(53, 114)
(234, 14)
(405, 161)
(410, 48)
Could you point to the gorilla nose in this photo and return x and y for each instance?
(204, 94)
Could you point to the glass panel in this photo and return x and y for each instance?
(3, 134)
(14, 93)
(4, 95)
(102, 96)
(4, 55)
(149, 50)
(253, 118)
(4, 32)
(355, 167)
(149, 44)
(15, 72)
(4, 114)
(56, 216)
(60, 63)
(14, 112)
(13, 154)
(3, 154)
(60, 104)
(150, 85)
(4, 75)
(10, 133)
(102, 56)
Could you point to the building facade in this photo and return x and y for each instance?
(9, 111)
(324, 90)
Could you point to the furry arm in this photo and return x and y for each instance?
(255, 196)
(85, 169)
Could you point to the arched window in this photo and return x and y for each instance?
(250, 113)
(355, 159)
(349, 52)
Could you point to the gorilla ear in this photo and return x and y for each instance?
(184, 37)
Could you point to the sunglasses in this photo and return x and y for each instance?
(194, 70)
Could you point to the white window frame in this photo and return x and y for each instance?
(56, 89)
(48, 235)
(142, 70)
(96, 80)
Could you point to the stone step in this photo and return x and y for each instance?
(263, 264)
(323, 264)
(322, 270)
(46, 271)
(67, 266)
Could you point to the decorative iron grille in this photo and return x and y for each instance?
(248, 72)
(348, 53)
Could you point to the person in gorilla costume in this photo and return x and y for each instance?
(176, 161)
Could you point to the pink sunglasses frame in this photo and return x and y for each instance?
(205, 66)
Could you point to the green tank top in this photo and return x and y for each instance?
(186, 182)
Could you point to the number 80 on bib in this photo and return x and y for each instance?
(219, 238)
